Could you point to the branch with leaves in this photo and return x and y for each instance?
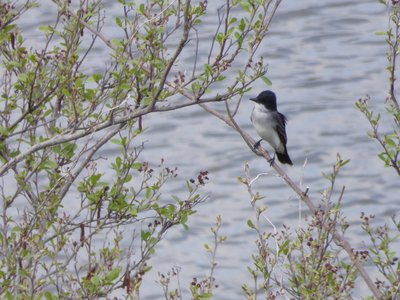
(58, 114)
(388, 141)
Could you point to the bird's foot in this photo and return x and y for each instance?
(272, 160)
(257, 144)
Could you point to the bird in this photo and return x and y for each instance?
(270, 125)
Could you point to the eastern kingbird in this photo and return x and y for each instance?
(270, 125)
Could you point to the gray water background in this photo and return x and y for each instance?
(322, 57)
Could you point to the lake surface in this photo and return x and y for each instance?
(322, 57)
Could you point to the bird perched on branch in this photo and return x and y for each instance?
(270, 125)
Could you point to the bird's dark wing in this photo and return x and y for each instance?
(280, 127)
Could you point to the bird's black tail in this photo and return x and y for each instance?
(284, 157)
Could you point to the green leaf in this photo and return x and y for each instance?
(65, 92)
(118, 161)
(144, 235)
(189, 187)
(113, 274)
(205, 296)
(69, 150)
(383, 156)
(208, 70)
(242, 25)
(116, 141)
(389, 142)
(145, 270)
(118, 22)
(141, 8)
(95, 280)
(266, 80)
(250, 224)
(50, 165)
(96, 77)
(133, 211)
(4, 131)
(284, 247)
(136, 166)
(23, 77)
(49, 296)
(148, 193)
(232, 20)
(245, 7)
(47, 29)
(117, 43)
(220, 37)
(12, 64)
(128, 178)
(380, 33)
(344, 162)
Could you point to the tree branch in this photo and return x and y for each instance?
(338, 238)
(82, 132)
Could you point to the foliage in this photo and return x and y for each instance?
(310, 262)
(315, 262)
(60, 194)
(199, 288)
(304, 263)
(384, 241)
(389, 141)
(384, 238)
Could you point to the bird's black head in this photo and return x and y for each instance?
(266, 98)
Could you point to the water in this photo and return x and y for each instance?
(322, 57)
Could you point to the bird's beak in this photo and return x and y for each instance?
(254, 99)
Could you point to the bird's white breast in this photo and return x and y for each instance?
(265, 125)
